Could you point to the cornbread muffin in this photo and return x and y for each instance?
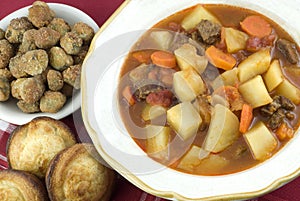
(21, 186)
(77, 174)
(32, 146)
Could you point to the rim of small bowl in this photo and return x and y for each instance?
(13, 114)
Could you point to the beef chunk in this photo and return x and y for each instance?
(209, 32)
(269, 109)
(145, 87)
(288, 49)
(290, 115)
(278, 102)
(286, 103)
(277, 110)
(277, 118)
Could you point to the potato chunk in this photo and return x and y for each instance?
(192, 161)
(273, 77)
(235, 40)
(227, 78)
(157, 141)
(199, 13)
(255, 92)
(287, 89)
(261, 141)
(255, 64)
(151, 112)
(223, 129)
(188, 84)
(162, 39)
(185, 119)
(187, 57)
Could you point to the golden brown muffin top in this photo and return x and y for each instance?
(20, 185)
(77, 174)
(32, 146)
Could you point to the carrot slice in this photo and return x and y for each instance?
(142, 56)
(127, 94)
(163, 59)
(246, 118)
(284, 131)
(255, 25)
(219, 58)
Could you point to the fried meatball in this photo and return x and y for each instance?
(84, 31)
(28, 42)
(28, 89)
(72, 76)
(52, 101)
(55, 80)
(16, 87)
(16, 28)
(78, 59)
(40, 14)
(60, 25)
(28, 107)
(46, 38)
(35, 61)
(16, 67)
(4, 89)
(6, 52)
(6, 74)
(59, 59)
(2, 34)
(71, 43)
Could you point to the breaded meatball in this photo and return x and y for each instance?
(71, 43)
(84, 31)
(16, 67)
(35, 61)
(40, 14)
(16, 28)
(28, 42)
(2, 34)
(6, 52)
(72, 76)
(28, 107)
(78, 59)
(16, 87)
(4, 89)
(6, 74)
(28, 89)
(46, 38)
(55, 80)
(52, 101)
(60, 25)
(59, 59)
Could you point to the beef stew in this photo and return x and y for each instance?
(212, 90)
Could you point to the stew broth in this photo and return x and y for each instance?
(180, 151)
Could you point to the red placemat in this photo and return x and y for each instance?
(100, 10)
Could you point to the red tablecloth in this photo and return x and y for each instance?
(100, 10)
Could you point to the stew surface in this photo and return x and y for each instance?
(212, 90)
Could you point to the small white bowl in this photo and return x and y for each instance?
(8, 110)
(100, 78)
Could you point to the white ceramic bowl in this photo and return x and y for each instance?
(102, 120)
(9, 110)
